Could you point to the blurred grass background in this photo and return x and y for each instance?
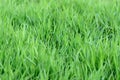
(59, 39)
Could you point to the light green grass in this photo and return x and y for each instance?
(59, 39)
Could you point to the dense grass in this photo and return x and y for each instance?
(59, 40)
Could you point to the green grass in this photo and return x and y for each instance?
(59, 39)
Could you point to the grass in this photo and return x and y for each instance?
(59, 40)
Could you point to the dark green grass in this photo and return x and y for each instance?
(59, 40)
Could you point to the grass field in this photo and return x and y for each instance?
(59, 39)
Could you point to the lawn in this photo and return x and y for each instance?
(59, 39)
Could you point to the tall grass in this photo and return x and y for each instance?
(59, 39)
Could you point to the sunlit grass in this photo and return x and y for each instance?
(59, 39)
